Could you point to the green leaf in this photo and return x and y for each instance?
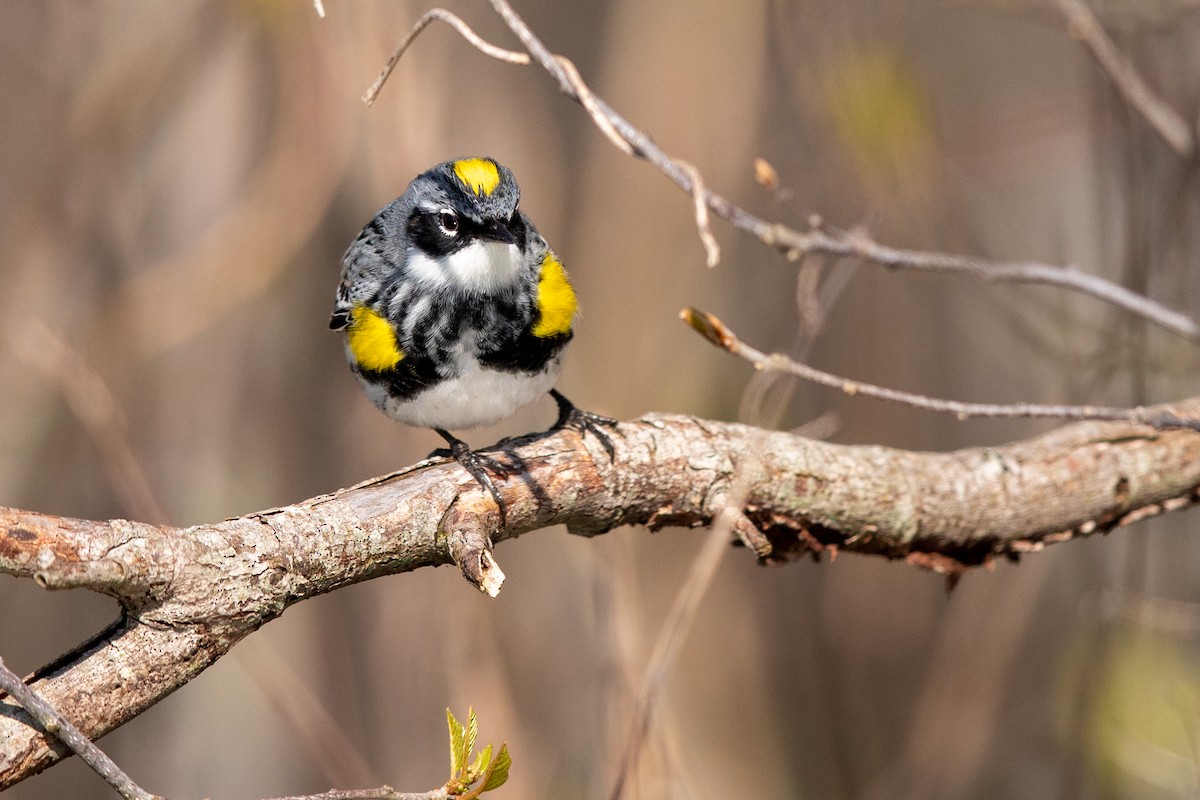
(457, 759)
(482, 759)
(498, 772)
(472, 731)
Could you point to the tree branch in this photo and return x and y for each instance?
(853, 244)
(464, 30)
(795, 243)
(717, 333)
(55, 723)
(1163, 119)
(382, 793)
(189, 595)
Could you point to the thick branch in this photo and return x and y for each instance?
(52, 722)
(189, 595)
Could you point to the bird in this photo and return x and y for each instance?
(456, 313)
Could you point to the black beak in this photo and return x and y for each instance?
(496, 231)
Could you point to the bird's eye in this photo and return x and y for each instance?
(449, 222)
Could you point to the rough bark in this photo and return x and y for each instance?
(188, 595)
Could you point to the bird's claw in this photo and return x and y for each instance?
(571, 416)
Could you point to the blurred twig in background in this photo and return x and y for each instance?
(44, 351)
(252, 242)
(729, 520)
(322, 737)
(1169, 126)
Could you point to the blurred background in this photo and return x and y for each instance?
(178, 182)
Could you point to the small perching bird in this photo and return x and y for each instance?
(456, 311)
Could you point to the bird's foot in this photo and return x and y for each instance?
(479, 465)
(571, 416)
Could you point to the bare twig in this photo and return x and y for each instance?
(592, 105)
(711, 248)
(632, 141)
(382, 793)
(797, 243)
(857, 244)
(716, 332)
(1163, 119)
(464, 30)
(55, 724)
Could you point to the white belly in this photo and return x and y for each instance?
(479, 396)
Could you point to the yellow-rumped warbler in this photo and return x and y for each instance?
(456, 311)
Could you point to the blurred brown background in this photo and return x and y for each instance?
(178, 182)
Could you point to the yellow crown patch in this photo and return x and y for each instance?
(479, 174)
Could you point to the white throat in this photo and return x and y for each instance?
(480, 267)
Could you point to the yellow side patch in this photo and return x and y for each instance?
(479, 174)
(556, 300)
(372, 340)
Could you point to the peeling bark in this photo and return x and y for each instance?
(188, 595)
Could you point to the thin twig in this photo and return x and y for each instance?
(857, 244)
(57, 725)
(716, 332)
(632, 141)
(382, 793)
(711, 248)
(464, 30)
(1165, 121)
(591, 104)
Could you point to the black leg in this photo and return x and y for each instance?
(478, 465)
(570, 416)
